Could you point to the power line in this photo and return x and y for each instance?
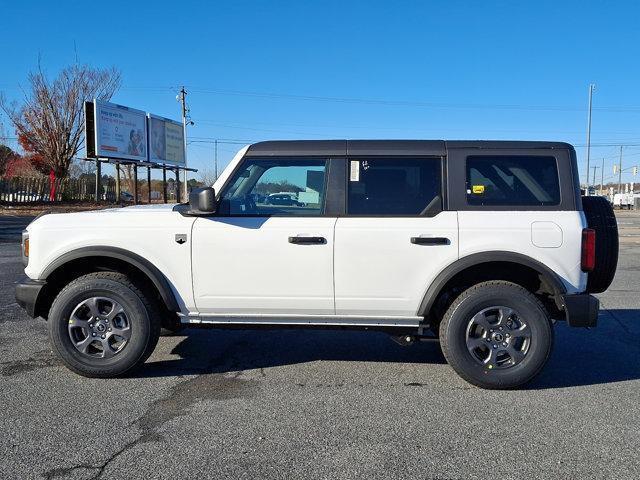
(388, 102)
(234, 123)
(409, 102)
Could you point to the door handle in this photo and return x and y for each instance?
(430, 240)
(308, 240)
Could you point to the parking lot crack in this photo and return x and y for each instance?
(210, 384)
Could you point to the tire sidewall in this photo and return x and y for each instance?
(461, 359)
(134, 309)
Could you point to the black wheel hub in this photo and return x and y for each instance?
(498, 337)
(99, 327)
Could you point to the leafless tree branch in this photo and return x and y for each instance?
(51, 118)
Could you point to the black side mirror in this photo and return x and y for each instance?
(202, 201)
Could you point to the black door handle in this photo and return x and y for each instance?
(430, 240)
(308, 240)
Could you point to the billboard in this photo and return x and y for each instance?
(166, 141)
(120, 132)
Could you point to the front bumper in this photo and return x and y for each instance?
(27, 291)
(581, 310)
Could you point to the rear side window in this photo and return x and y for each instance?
(394, 186)
(512, 180)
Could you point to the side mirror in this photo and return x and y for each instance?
(202, 201)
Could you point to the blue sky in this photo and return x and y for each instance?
(260, 70)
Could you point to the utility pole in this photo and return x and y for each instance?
(602, 178)
(215, 159)
(182, 98)
(591, 87)
(595, 167)
(620, 172)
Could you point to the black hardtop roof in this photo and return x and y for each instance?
(388, 147)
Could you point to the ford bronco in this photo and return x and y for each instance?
(482, 245)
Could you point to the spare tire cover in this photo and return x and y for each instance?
(600, 217)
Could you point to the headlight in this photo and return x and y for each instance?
(25, 247)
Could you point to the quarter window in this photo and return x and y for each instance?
(276, 186)
(512, 180)
(394, 186)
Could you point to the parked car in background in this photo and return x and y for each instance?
(111, 196)
(283, 199)
(623, 200)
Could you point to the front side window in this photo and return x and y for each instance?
(276, 186)
(394, 186)
(512, 180)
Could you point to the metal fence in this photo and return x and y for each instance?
(36, 190)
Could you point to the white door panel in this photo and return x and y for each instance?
(379, 271)
(247, 265)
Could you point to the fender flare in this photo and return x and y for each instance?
(145, 266)
(551, 277)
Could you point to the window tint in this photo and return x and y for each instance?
(512, 180)
(276, 186)
(399, 186)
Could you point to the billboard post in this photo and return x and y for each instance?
(148, 183)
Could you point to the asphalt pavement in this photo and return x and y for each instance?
(11, 227)
(322, 404)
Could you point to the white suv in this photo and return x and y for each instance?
(482, 245)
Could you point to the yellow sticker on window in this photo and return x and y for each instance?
(478, 189)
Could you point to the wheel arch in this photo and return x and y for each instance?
(514, 263)
(90, 259)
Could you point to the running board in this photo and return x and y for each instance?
(302, 320)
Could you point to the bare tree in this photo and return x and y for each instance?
(50, 123)
(207, 177)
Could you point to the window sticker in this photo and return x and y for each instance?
(354, 173)
(478, 189)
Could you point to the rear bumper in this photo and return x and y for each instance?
(27, 291)
(581, 310)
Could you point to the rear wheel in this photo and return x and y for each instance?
(496, 335)
(102, 325)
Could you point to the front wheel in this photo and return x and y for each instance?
(101, 325)
(496, 335)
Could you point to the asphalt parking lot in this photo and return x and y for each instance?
(321, 404)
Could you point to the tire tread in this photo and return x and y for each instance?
(150, 306)
(445, 340)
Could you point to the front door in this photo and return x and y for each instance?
(270, 249)
(395, 237)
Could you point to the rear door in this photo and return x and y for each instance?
(395, 237)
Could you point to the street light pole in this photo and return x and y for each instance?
(215, 160)
(183, 100)
(620, 172)
(591, 87)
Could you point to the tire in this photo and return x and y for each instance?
(73, 318)
(516, 359)
(601, 218)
